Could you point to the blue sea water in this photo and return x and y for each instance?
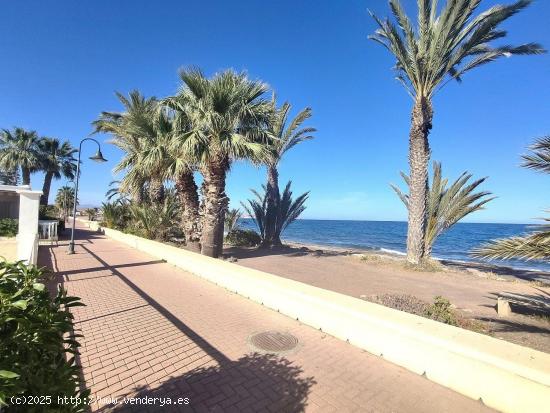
(391, 236)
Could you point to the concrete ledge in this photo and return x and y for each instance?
(505, 376)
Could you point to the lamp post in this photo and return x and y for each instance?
(98, 157)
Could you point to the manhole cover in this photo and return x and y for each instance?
(273, 342)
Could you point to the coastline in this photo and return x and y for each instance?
(497, 271)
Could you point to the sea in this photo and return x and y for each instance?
(391, 237)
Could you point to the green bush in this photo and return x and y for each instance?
(48, 212)
(243, 238)
(115, 215)
(154, 221)
(37, 343)
(8, 227)
(442, 311)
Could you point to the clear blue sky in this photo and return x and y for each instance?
(63, 60)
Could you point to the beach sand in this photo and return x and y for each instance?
(472, 288)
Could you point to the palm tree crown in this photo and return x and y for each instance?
(227, 115)
(448, 204)
(448, 45)
(57, 159)
(287, 134)
(134, 132)
(534, 245)
(20, 150)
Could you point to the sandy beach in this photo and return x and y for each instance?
(471, 288)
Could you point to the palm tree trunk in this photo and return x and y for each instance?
(272, 236)
(189, 198)
(26, 175)
(419, 155)
(214, 207)
(46, 188)
(156, 191)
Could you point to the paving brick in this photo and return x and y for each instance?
(151, 329)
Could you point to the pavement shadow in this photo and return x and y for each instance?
(256, 382)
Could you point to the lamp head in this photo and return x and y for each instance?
(98, 157)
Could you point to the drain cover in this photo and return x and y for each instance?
(273, 342)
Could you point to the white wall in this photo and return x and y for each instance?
(27, 236)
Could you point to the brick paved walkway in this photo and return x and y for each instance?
(151, 329)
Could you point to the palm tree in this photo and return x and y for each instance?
(56, 160)
(286, 134)
(134, 133)
(232, 218)
(447, 205)
(228, 117)
(9, 177)
(533, 246)
(183, 163)
(288, 210)
(92, 213)
(64, 199)
(19, 149)
(441, 48)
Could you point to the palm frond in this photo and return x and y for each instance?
(539, 158)
(445, 46)
(286, 210)
(448, 204)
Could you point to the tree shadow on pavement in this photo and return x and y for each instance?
(256, 382)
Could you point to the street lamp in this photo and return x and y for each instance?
(98, 157)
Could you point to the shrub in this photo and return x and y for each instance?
(232, 218)
(243, 238)
(37, 345)
(442, 311)
(48, 212)
(91, 213)
(154, 221)
(272, 221)
(402, 302)
(8, 227)
(115, 215)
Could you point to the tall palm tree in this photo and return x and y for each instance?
(183, 163)
(155, 157)
(228, 117)
(19, 149)
(135, 132)
(57, 159)
(533, 246)
(441, 48)
(447, 204)
(286, 133)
